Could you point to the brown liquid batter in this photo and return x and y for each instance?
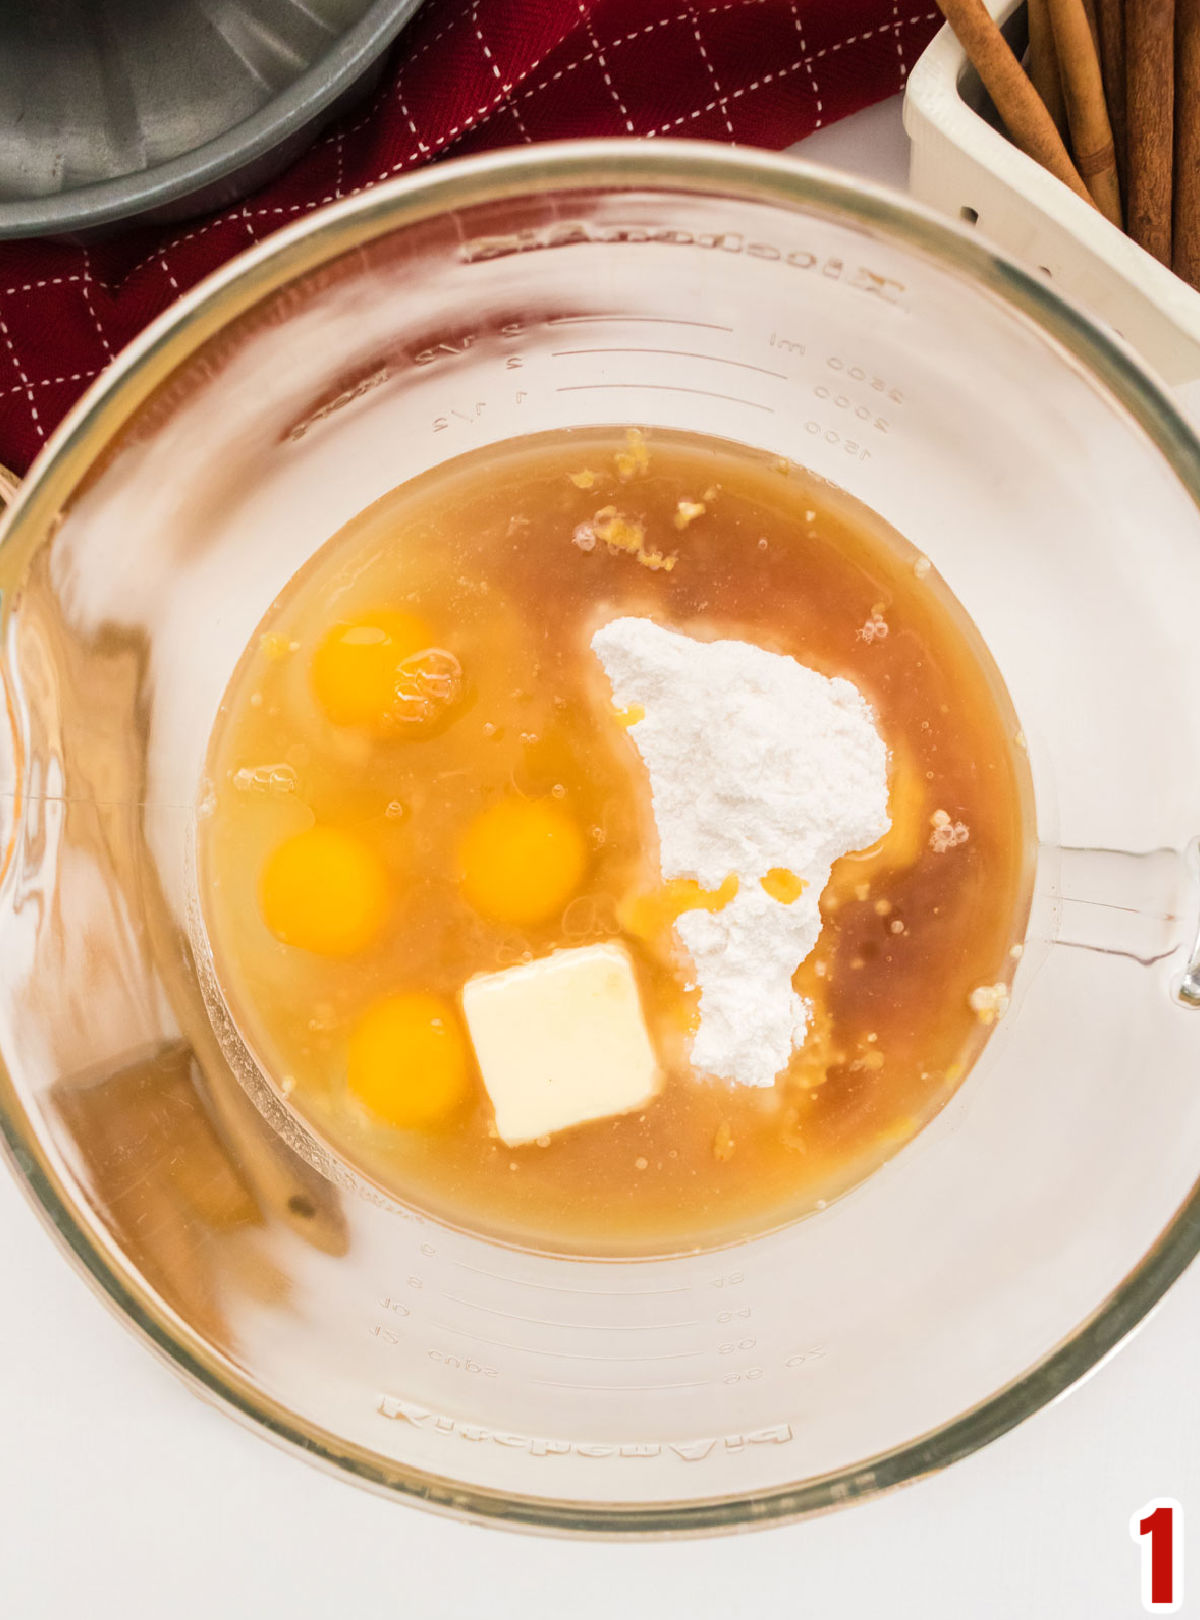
(495, 553)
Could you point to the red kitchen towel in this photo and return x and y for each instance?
(466, 75)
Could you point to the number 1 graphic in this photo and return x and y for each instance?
(1159, 1528)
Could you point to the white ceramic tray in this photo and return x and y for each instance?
(963, 166)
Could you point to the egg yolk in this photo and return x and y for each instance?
(783, 885)
(407, 1061)
(521, 860)
(325, 891)
(649, 915)
(356, 667)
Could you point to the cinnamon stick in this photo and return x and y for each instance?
(1149, 115)
(1043, 62)
(1185, 256)
(1110, 17)
(1029, 124)
(1087, 115)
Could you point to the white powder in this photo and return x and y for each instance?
(755, 763)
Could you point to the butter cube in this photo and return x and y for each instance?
(561, 1040)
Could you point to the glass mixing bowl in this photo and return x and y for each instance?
(996, 1258)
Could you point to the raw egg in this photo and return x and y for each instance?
(783, 885)
(357, 667)
(521, 860)
(325, 890)
(647, 916)
(407, 1060)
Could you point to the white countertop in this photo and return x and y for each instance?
(122, 1495)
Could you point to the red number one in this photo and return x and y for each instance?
(1159, 1525)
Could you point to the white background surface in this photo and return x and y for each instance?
(122, 1495)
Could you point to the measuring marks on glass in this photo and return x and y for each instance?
(854, 408)
(587, 351)
(603, 1356)
(592, 1343)
(831, 405)
(693, 1335)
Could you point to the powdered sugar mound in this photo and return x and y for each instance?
(750, 1017)
(756, 763)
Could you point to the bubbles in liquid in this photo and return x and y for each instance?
(427, 685)
(265, 779)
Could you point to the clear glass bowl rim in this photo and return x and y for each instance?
(679, 167)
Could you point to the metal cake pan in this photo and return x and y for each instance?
(113, 110)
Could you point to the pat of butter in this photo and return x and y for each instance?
(561, 1041)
